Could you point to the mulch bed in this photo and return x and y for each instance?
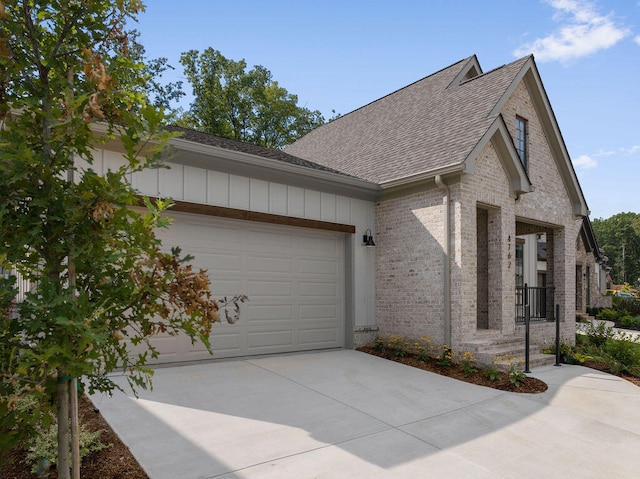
(530, 385)
(114, 462)
(604, 367)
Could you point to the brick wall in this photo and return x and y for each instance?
(410, 265)
(487, 191)
(410, 258)
(549, 205)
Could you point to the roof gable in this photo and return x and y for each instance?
(435, 126)
(531, 78)
(428, 127)
(471, 70)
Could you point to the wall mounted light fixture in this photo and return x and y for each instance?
(367, 239)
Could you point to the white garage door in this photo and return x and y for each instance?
(294, 278)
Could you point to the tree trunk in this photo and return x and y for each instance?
(75, 429)
(63, 425)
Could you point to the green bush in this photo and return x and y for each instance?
(608, 314)
(626, 353)
(593, 311)
(598, 333)
(628, 305)
(43, 451)
(626, 320)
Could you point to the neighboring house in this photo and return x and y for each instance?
(462, 178)
(591, 271)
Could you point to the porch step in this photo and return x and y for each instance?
(485, 350)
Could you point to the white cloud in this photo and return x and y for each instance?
(589, 162)
(585, 162)
(631, 151)
(583, 31)
(637, 40)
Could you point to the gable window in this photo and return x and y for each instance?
(521, 140)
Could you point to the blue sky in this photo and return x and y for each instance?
(340, 55)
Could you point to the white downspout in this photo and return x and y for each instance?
(447, 261)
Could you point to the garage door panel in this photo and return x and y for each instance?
(318, 337)
(315, 289)
(263, 339)
(317, 311)
(311, 244)
(269, 264)
(203, 234)
(226, 342)
(270, 289)
(227, 288)
(269, 241)
(293, 277)
(318, 267)
(266, 312)
(217, 261)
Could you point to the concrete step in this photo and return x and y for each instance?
(485, 351)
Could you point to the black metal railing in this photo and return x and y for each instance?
(539, 300)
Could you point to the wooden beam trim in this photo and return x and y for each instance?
(237, 214)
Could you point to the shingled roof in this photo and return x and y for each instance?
(227, 144)
(429, 125)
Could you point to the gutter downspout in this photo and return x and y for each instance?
(447, 261)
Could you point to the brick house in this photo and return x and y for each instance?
(474, 175)
(591, 271)
(464, 183)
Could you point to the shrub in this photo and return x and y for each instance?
(598, 333)
(626, 353)
(492, 373)
(628, 305)
(608, 314)
(515, 371)
(42, 447)
(594, 311)
(398, 345)
(43, 451)
(581, 357)
(423, 348)
(468, 364)
(626, 320)
(446, 356)
(567, 354)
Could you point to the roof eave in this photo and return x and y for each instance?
(498, 135)
(239, 163)
(422, 177)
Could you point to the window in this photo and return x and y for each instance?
(521, 140)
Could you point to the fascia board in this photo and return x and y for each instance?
(425, 176)
(498, 134)
(245, 164)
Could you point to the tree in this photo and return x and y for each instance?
(100, 277)
(242, 105)
(619, 236)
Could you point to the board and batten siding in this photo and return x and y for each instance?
(207, 186)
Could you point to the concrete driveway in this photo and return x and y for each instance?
(346, 414)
